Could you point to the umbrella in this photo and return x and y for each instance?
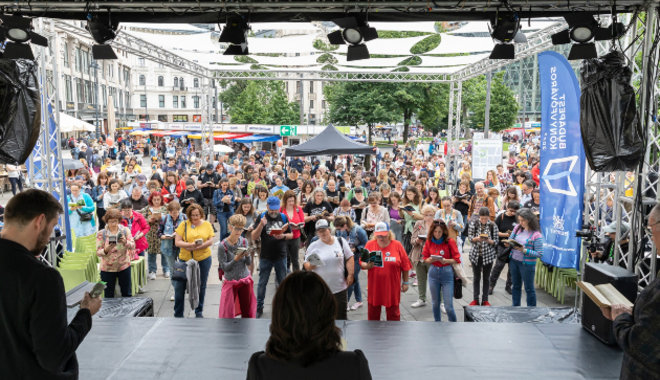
(71, 164)
(221, 148)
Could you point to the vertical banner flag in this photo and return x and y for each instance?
(562, 161)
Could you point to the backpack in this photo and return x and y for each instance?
(242, 242)
(97, 161)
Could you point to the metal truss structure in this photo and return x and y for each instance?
(332, 76)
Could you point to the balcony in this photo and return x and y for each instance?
(180, 89)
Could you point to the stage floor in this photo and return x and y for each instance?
(168, 348)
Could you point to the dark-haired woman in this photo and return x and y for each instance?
(441, 251)
(523, 259)
(304, 341)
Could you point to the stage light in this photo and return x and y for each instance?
(355, 32)
(235, 33)
(582, 30)
(103, 31)
(505, 28)
(17, 32)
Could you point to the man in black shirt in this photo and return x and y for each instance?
(270, 226)
(37, 341)
(505, 223)
(207, 183)
(317, 208)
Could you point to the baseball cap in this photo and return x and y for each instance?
(381, 229)
(209, 167)
(322, 223)
(611, 228)
(273, 203)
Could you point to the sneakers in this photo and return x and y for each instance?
(474, 303)
(259, 313)
(442, 308)
(348, 308)
(152, 276)
(414, 283)
(413, 274)
(167, 274)
(356, 306)
(418, 303)
(508, 290)
(485, 303)
(172, 298)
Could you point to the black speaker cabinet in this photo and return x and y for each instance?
(623, 280)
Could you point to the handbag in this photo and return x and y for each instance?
(458, 288)
(180, 266)
(503, 253)
(85, 216)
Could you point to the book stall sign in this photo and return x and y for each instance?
(486, 155)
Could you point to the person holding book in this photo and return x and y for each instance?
(505, 222)
(333, 194)
(526, 244)
(114, 195)
(388, 273)
(344, 209)
(412, 204)
(261, 199)
(296, 217)
(169, 223)
(279, 188)
(357, 239)
(483, 235)
(419, 237)
(441, 252)
(154, 214)
(223, 202)
(190, 196)
(207, 182)
(396, 216)
(374, 213)
(81, 212)
(115, 246)
(304, 341)
(234, 260)
(331, 258)
(316, 208)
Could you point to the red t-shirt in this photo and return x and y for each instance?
(385, 283)
(297, 217)
(447, 250)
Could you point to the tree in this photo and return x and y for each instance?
(434, 112)
(503, 104)
(259, 102)
(356, 103)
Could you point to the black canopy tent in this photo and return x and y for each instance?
(329, 142)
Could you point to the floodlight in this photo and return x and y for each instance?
(17, 32)
(582, 30)
(103, 31)
(505, 29)
(233, 49)
(235, 32)
(355, 32)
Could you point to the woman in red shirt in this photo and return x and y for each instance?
(384, 280)
(295, 216)
(441, 252)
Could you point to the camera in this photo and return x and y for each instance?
(112, 239)
(589, 237)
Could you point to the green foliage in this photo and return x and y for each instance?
(386, 55)
(439, 27)
(321, 45)
(259, 102)
(427, 44)
(329, 67)
(244, 59)
(327, 58)
(503, 104)
(433, 113)
(401, 69)
(256, 66)
(397, 34)
(411, 61)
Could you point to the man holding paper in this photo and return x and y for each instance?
(637, 329)
(37, 341)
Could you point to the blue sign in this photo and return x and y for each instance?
(562, 161)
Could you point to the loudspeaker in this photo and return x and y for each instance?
(623, 280)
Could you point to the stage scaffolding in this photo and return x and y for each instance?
(641, 40)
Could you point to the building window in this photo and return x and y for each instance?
(76, 59)
(66, 55)
(86, 62)
(142, 81)
(68, 88)
(175, 101)
(311, 87)
(311, 104)
(298, 86)
(323, 104)
(161, 101)
(196, 82)
(141, 62)
(162, 118)
(196, 101)
(89, 92)
(161, 81)
(104, 94)
(183, 102)
(143, 101)
(80, 90)
(111, 70)
(181, 83)
(176, 82)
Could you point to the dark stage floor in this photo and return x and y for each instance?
(167, 348)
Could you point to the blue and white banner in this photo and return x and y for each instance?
(562, 161)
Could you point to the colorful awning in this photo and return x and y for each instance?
(257, 138)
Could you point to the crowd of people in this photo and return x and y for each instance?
(265, 211)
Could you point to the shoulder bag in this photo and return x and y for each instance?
(180, 266)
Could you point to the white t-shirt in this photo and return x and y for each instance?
(332, 270)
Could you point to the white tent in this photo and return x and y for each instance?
(71, 124)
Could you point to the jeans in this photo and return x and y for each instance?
(441, 279)
(521, 273)
(152, 259)
(292, 252)
(422, 270)
(180, 290)
(342, 302)
(478, 268)
(14, 183)
(355, 286)
(222, 221)
(495, 274)
(265, 267)
(110, 279)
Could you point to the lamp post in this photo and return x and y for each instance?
(94, 65)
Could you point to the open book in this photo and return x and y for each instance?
(604, 295)
(374, 256)
(513, 243)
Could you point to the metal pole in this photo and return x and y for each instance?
(489, 76)
(95, 66)
(146, 100)
(302, 100)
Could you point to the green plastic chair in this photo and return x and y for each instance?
(72, 277)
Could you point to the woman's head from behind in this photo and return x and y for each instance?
(303, 324)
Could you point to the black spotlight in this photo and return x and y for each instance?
(355, 32)
(505, 28)
(17, 31)
(103, 31)
(582, 30)
(235, 33)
